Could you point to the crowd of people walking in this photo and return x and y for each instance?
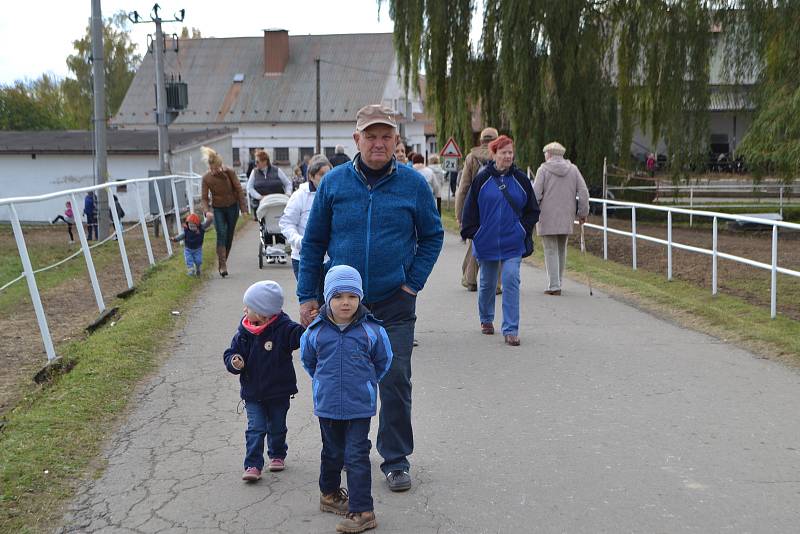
(365, 234)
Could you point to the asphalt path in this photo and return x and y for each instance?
(605, 419)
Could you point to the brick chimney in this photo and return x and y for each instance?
(276, 51)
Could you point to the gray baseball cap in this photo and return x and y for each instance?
(375, 114)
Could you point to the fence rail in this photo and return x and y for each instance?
(159, 182)
(715, 254)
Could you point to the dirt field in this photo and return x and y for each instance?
(734, 278)
(69, 307)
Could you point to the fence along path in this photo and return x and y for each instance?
(110, 188)
(715, 254)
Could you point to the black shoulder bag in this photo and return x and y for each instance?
(528, 236)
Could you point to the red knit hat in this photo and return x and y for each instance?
(499, 143)
(193, 218)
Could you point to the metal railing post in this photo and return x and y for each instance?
(120, 240)
(31, 279)
(781, 202)
(162, 217)
(633, 236)
(605, 230)
(143, 223)
(773, 286)
(87, 254)
(691, 204)
(175, 206)
(669, 245)
(714, 259)
(188, 183)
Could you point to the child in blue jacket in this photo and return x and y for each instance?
(261, 354)
(347, 352)
(193, 233)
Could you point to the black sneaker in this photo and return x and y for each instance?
(398, 480)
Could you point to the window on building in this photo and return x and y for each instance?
(281, 156)
(330, 151)
(237, 162)
(306, 151)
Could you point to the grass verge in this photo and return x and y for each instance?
(52, 436)
(723, 316)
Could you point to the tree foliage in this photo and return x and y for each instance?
(588, 72)
(33, 105)
(121, 61)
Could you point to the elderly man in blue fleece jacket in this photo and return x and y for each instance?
(380, 218)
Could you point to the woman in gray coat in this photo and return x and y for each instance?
(558, 182)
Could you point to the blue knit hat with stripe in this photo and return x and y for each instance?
(342, 279)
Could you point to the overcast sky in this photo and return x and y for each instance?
(36, 35)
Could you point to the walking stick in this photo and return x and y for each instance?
(583, 252)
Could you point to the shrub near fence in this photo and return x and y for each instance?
(160, 183)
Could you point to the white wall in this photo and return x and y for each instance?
(20, 175)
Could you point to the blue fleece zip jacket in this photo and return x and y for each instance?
(268, 371)
(345, 365)
(391, 233)
(497, 232)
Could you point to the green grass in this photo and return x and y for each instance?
(41, 255)
(55, 432)
(724, 316)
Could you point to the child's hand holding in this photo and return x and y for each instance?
(237, 362)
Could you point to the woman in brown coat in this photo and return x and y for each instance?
(226, 200)
(558, 182)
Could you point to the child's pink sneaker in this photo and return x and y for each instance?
(251, 474)
(277, 464)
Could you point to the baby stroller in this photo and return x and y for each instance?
(269, 213)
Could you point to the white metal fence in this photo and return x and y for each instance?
(191, 182)
(715, 254)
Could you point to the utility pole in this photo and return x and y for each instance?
(319, 125)
(162, 120)
(99, 86)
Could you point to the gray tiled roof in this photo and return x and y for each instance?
(81, 141)
(353, 72)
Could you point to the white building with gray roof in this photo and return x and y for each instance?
(265, 87)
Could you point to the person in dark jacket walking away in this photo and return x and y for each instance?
(339, 157)
(193, 233)
(261, 354)
(89, 209)
(346, 352)
(380, 218)
(499, 216)
(266, 179)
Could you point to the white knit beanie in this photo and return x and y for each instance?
(265, 298)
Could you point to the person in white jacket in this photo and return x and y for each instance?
(295, 215)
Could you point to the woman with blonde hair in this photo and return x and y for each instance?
(226, 200)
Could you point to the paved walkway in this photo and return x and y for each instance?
(606, 419)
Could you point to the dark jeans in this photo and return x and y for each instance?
(346, 442)
(320, 295)
(91, 226)
(395, 435)
(225, 224)
(265, 418)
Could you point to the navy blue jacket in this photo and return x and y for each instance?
(390, 233)
(268, 370)
(488, 219)
(345, 365)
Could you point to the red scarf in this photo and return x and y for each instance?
(256, 330)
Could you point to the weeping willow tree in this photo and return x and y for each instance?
(583, 72)
(764, 45)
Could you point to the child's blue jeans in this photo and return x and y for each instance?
(346, 442)
(265, 418)
(194, 258)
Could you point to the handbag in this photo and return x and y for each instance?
(528, 236)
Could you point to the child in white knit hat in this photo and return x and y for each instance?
(261, 354)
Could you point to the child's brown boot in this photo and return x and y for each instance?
(335, 503)
(357, 522)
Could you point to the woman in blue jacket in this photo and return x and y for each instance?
(499, 215)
